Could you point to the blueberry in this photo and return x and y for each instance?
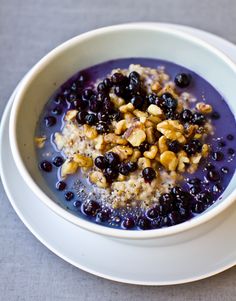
(195, 189)
(101, 96)
(217, 156)
(174, 146)
(184, 213)
(119, 91)
(111, 159)
(100, 162)
(50, 121)
(172, 115)
(144, 223)
(72, 97)
(81, 117)
(166, 199)
(205, 197)
(213, 175)
(176, 190)
(132, 166)
(174, 218)
(57, 111)
(87, 94)
(144, 147)
(198, 118)
(60, 185)
(183, 198)
(198, 207)
(107, 83)
(81, 79)
(116, 116)
(156, 223)
(59, 100)
(230, 137)
(69, 195)
(182, 80)
(152, 213)
(209, 166)
(91, 119)
(231, 151)
(58, 161)
(163, 209)
(137, 101)
(103, 215)
(186, 115)
(124, 169)
(170, 103)
(134, 77)
(95, 105)
(117, 78)
(77, 204)
(149, 174)
(221, 143)
(132, 89)
(217, 188)
(110, 174)
(215, 115)
(194, 181)
(46, 166)
(80, 104)
(224, 170)
(101, 87)
(193, 147)
(128, 223)
(102, 127)
(108, 106)
(152, 99)
(103, 116)
(66, 93)
(91, 208)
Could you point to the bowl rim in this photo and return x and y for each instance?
(85, 224)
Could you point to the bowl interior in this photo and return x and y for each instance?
(99, 46)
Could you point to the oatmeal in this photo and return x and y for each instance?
(134, 144)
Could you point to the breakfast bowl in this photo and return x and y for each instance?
(109, 44)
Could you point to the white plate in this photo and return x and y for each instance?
(164, 265)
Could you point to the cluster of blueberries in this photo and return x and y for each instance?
(174, 207)
(95, 108)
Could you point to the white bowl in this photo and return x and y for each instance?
(122, 41)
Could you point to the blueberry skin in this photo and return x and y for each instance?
(90, 208)
(69, 195)
(182, 80)
(111, 159)
(128, 223)
(50, 121)
(148, 174)
(45, 166)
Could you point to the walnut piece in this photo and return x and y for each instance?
(114, 139)
(135, 135)
(122, 151)
(169, 160)
(151, 153)
(172, 130)
(82, 161)
(204, 108)
(69, 167)
(90, 132)
(98, 178)
(40, 141)
(70, 115)
(155, 110)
